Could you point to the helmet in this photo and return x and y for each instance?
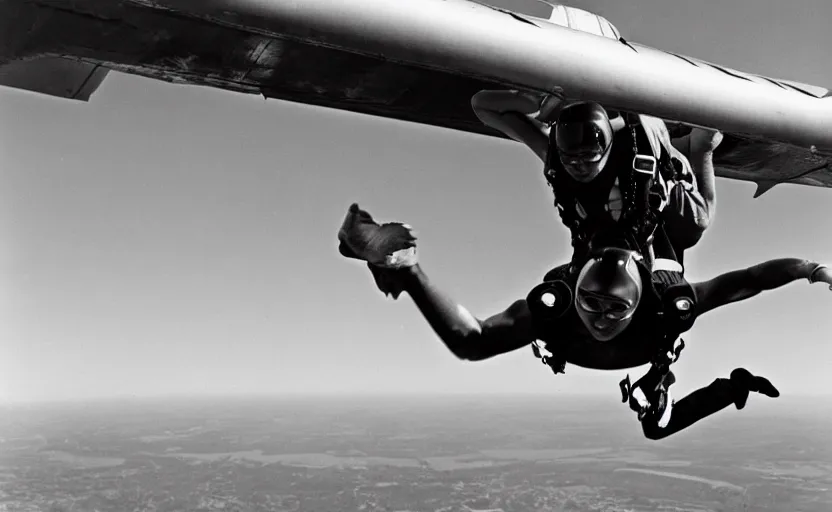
(583, 136)
(608, 292)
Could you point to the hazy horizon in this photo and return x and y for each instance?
(798, 400)
(497, 455)
(178, 240)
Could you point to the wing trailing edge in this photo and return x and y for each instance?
(764, 186)
(54, 76)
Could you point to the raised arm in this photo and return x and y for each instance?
(513, 113)
(743, 284)
(466, 336)
(389, 250)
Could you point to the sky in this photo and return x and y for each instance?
(166, 239)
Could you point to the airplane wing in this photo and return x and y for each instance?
(54, 76)
(419, 61)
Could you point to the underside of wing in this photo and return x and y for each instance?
(414, 60)
(54, 76)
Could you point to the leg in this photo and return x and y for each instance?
(703, 143)
(698, 148)
(706, 401)
(648, 396)
(650, 392)
(694, 407)
(691, 206)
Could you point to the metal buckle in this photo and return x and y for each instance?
(644, 164)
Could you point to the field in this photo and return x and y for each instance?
(408, 454)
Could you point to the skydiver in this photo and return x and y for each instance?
(612, 313)
(584, 142)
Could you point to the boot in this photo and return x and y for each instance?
(744, 382)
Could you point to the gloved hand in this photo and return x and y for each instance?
(387, 248)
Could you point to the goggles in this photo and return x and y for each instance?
(611, 308)
(582, 141)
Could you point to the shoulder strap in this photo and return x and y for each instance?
(639, 215)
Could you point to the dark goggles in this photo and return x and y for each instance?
(581, 140)
(609, 307)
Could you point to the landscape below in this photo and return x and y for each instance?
(407, 454)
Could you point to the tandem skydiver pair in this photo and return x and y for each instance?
(634, 202)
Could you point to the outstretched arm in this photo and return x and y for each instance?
(743, 284)
(512, 113)
(466, 336)
(390, 252)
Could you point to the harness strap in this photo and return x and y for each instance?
(639, 213)
(676, 309)
(666, 168)
(667, 265)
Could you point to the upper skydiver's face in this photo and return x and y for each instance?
(584, 168)
(583, 148)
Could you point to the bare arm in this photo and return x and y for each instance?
(511, 113)
(466, 336)
(743, 284)
(362, 238)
